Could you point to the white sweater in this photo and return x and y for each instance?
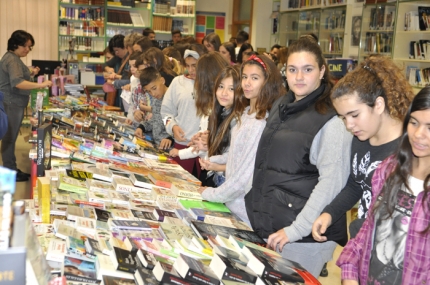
(180, 106)
(240, 160)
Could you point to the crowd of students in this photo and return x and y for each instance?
(288, 151)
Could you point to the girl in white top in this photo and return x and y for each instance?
(261, 85)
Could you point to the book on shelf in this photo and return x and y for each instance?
(424, 17)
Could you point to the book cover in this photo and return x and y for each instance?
(71, 184)
(79, 270)
(193, 270)
(44, 198)
(44, 144)
(213, 206)
(113, 280)
(128, 225)
(174, 232)
(147, 259)
(141, 181)
(186, 190)
(424, 17)
(78, 174)
(144, 276)
(204, 230)
(102, 215)
(165, 273)
(160, 214)
(125, 260)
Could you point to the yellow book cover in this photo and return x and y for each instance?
(44, 198)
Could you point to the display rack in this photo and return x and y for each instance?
(92, 23)
(411, 43)
(377, 29)
(324, 18)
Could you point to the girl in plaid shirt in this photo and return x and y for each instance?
(393, 246)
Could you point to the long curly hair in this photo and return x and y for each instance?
(404, 158)
(378, 76)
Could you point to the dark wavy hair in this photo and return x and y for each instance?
(404, 158)
(116, 42)
(219, 127)
(307, 43)
(229, 46)
(19, 38)
(214, 40)
(155, 58)
(243, 48)
(208, 67)
(272, 87)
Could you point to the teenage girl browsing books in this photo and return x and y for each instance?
(261, 85)
(208, 67)
(179, 108)
(393, 245)
(302, 162)
(227, 109)
(372, 101)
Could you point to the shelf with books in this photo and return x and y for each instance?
(172, 16)
(144, 7)
(377, 29)
(332, 30)
(309, 22)
(412, 41)
(289, 24)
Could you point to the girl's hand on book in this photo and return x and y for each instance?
(178, 134)
(138, 133)
(320, 226)
(126, 87)
(128, 121)
(174, 152)
(277, 240)
(165, 144)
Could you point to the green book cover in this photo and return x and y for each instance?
(205, 205)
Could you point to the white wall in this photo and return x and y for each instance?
(222, 6)
(39, 18)
(261, 24)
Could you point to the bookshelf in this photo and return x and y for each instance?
(327, 19)
(410, 44)
(377, 29)
(92, 26)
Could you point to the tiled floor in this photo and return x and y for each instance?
(23, 192)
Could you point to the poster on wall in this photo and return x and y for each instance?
(210, 22)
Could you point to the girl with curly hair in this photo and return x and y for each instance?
(392, 247)
(372, 100)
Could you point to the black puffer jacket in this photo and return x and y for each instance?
(284, 178)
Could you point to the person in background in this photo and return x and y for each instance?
(262, 86)
(372, 100)
(241, 38)
(208, 67)
(227, 52)
(179, 108)
(15, 84)
(149, 33)
(228, 107)
(130, 40)
(212, 42)
(107, 54)
(392, 246)
(153, 83)
(274, 52)
(282, 64)
(154, 57)
(302, 162)
(176, 36)
(143, 45)
(244, 52)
